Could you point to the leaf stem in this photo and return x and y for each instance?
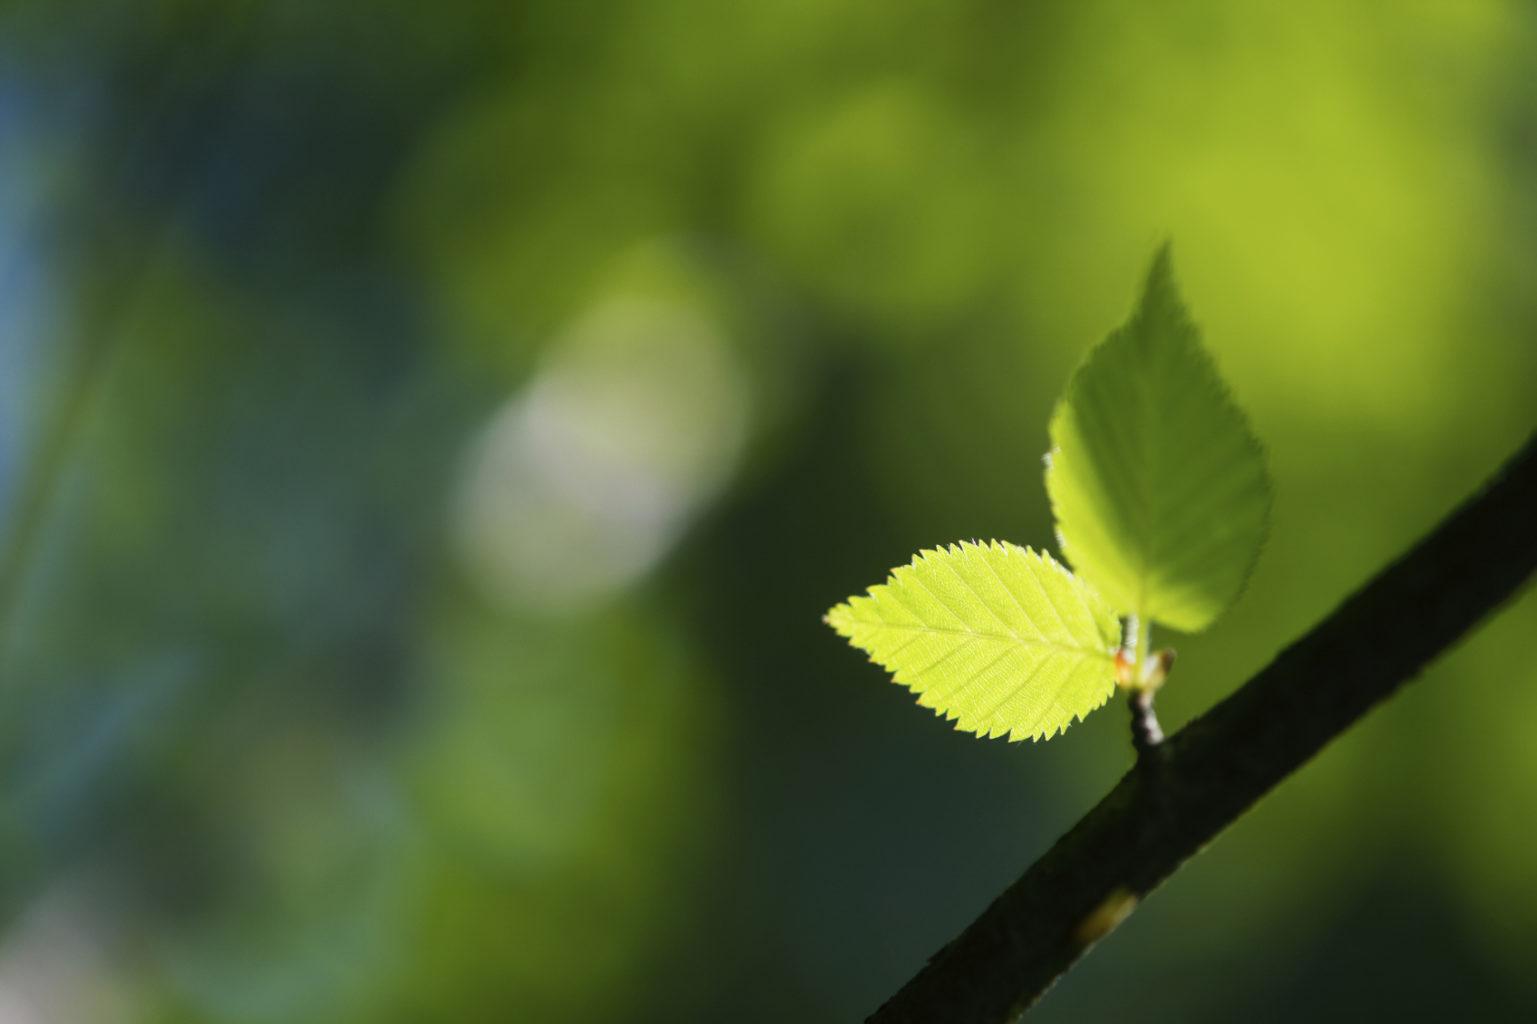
(1146, 733)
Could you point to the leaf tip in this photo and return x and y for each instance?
(841, 618)
(1160, 290)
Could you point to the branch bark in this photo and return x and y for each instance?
(1167, 808)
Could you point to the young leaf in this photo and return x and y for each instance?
(1157, 482)
(997, 637)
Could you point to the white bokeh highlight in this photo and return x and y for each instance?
(582, 483)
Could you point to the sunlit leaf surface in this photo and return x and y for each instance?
(999, 638)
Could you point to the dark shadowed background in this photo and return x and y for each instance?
(431, 432)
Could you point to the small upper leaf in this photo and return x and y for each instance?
(1157, 482)
(997, 637)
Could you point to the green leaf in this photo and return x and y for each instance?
(997, 637)
(1158, 484)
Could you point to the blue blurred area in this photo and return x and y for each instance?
(429, 436)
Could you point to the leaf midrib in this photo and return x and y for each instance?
(980, 635)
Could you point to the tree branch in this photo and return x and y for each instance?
(1215, 768)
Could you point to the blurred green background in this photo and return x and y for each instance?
(430, 433)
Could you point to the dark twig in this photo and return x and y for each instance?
(1215, 768)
